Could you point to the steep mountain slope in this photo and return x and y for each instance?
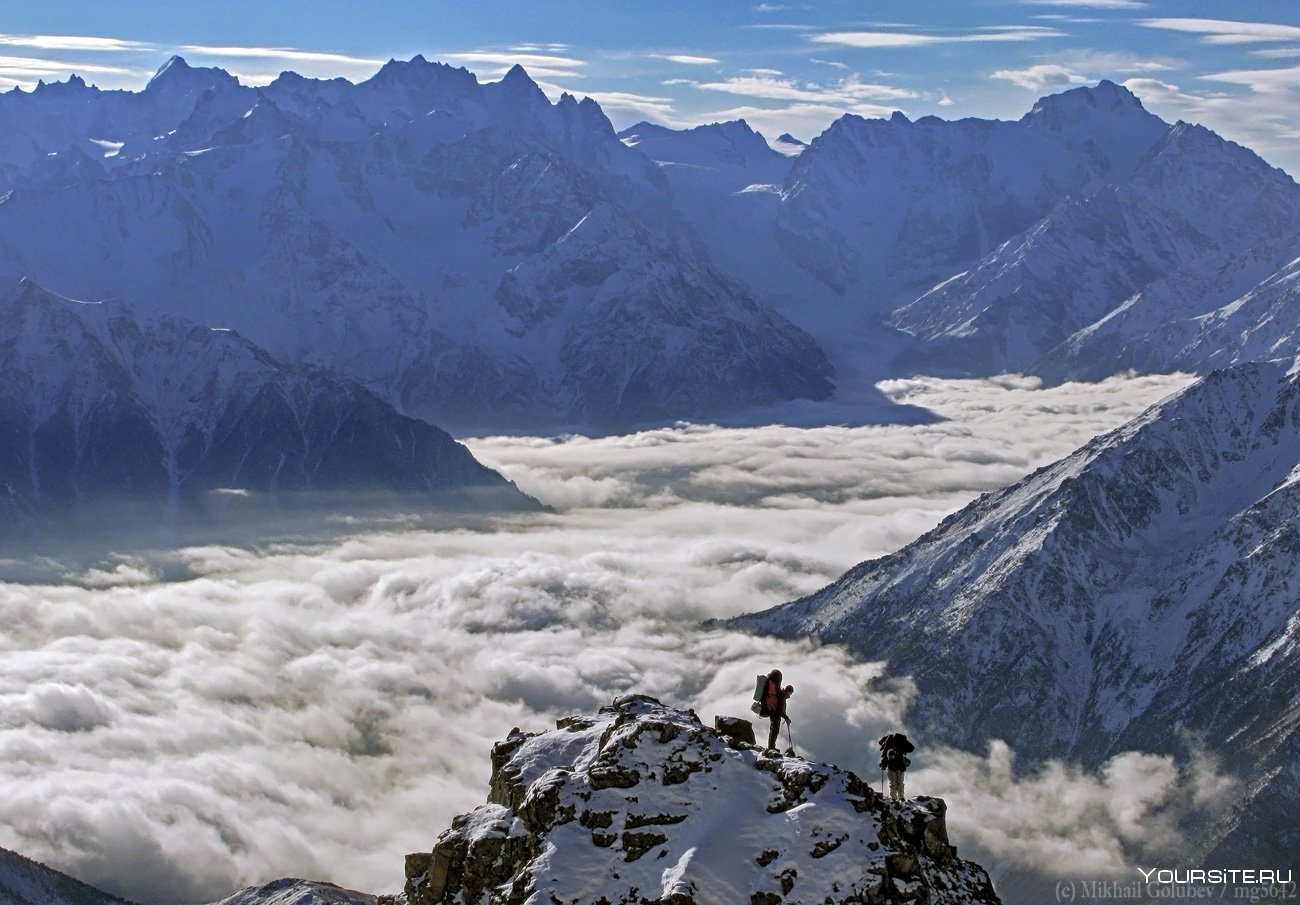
(106, 407)
(24, 882)
(1192, 205)
(1138, 594)
(883, 205)
(475, 254)
(1201, 316)
(641, 803)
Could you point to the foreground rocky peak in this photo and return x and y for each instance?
(642, 803)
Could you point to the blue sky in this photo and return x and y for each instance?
(783, 66)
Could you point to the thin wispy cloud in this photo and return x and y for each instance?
(538, 65)
(846, 91)
(290, 54)
(1276, 52)
(1091, 4)
(1265, 81)
(32, 67)
(897, 39)
(643, 105)
(686, 59)
(1223, 31)
(541, 48)
(1109, 63)
(73, 42)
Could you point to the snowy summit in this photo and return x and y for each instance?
(642, 803)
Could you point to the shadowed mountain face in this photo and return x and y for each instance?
(105, 408)
(1139, 594)
(25, 882)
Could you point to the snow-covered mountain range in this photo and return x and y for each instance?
(474, 253)
(1139, 594)
(107, 410)
(484, 258)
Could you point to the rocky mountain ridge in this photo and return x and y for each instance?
(1136, 595)
(642, 803)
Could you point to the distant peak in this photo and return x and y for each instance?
(517, 75)
(518, 85)
(177, 72)
(1105, 96)
(74, 83)
(787, 138)
(174, 64)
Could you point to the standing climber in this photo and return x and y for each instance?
(773, 705)
(894, 749)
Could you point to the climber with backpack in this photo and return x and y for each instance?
(769, 701)
(894, 749)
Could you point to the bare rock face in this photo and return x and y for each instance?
(642, 804)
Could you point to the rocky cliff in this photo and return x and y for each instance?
(642, 803)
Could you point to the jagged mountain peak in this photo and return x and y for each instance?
(1105, 98)
(419, 69)
(176, 76)
(517, 91)
(643, 803)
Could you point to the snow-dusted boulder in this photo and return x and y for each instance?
(642, 803)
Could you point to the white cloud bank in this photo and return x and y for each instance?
(322, 710)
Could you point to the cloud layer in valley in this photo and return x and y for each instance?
(321, 710)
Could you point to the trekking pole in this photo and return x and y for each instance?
(789, 735)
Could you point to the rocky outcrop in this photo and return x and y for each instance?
(642, 803)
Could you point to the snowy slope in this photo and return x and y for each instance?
(1193, 206)
(641, 803)
(880, 206)
(1138, 594)
(290, 891)
(105, 406)
(24, 882)
(382, 230)
(717, 159)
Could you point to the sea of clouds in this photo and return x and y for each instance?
(320, 710)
